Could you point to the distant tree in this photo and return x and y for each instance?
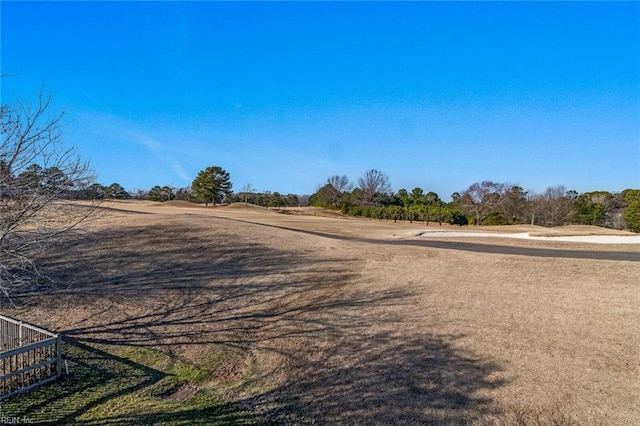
(571, 194)
(183, 194)
(31, 177)
(591, 208)
(482, 199)
(53, 177)
(416, 196)
(630, 195)
(558, 206)
(514, 205)
(631, 215)
(374, 187)
(116, 191)
(457, 218)
(139, 194)
(617, 206)
(291, 200)
(155, 194)
(431, 198)
(340, 183)
(275, 200)
(412, 212)
(246, 191)
(394, 213)
(403, 196)
(95, 191)
(326, 197)
(211, 185)
(169, 190)
(433, 206)
(303, 200)
(262, 199)
(160, 194)
(535, 207)
(495, 218)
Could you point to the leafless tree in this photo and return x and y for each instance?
(247, 190)
(340, 183)
(37, 175)
(483, 198)
(139, 194)
(374, 185)
(535, 207)
(558, 206)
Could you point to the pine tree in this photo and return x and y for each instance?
(211, 185)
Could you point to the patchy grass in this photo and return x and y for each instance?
(125, 385)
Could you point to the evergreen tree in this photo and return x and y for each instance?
(326, 197)
(212, 185)
(631, 216)
(158, 194)
(116, 191)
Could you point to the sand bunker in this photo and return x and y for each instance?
(595, 239)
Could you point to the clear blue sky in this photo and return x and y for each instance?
(284, 95)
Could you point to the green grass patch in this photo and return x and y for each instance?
(125, 385)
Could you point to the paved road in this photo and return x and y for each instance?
(623, 256)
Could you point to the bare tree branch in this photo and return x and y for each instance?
(340, 183)
(374, 185)
(37, 176)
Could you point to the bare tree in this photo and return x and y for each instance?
(247, 190)
(373, 186)
(483, 198)
(37, 174)
(535, 207)
(340, 183)
(558, 206)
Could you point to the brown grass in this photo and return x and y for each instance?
(307, 319)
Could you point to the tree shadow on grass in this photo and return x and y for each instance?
(189, 293)
(384, 379)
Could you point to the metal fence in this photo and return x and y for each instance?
(29, 357)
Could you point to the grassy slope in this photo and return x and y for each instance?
(109, 386)
(291, 328)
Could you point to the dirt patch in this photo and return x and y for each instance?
(181, 393)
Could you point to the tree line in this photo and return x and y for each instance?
(482, 203)
(211, 186)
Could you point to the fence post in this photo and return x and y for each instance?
(59, 355)
(21, 362)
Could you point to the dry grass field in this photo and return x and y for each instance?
(300, 318)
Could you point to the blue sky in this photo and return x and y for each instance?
(284, 95)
